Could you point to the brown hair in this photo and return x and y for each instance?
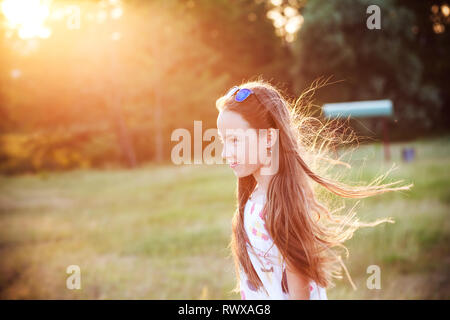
(304, 230)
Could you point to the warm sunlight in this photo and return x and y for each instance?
(146, 144)
(445, 10)
(30, 22)
(287, 20)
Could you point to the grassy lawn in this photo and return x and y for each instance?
(161, 232)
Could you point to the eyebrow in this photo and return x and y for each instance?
(230, 136)
(227, 136)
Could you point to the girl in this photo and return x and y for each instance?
(284, 240)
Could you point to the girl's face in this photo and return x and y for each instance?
(240, 143)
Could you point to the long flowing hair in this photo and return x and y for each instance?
(309, 235)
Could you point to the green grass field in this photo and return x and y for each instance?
(161, 232)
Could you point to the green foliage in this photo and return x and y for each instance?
(55, 151)
(374, 64)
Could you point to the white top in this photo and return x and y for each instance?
(268, 262)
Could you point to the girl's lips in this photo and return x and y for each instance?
(234, 164)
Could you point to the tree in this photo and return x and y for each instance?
(374, 64)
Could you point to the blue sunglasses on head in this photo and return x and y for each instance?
(241, 94)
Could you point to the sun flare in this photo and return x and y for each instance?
(27, 17)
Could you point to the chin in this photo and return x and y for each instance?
(243, 173)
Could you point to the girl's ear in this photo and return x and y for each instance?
(271, 136)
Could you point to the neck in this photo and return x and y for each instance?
(262, 181)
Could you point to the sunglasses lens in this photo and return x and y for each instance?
(242, 94)
(231, 91)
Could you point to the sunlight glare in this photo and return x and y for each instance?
(30, 22)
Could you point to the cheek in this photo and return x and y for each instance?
(251, 156)
(247, 153)
(248, 160)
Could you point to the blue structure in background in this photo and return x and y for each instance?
(408, 154)
(358, 109)
(363, 109)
